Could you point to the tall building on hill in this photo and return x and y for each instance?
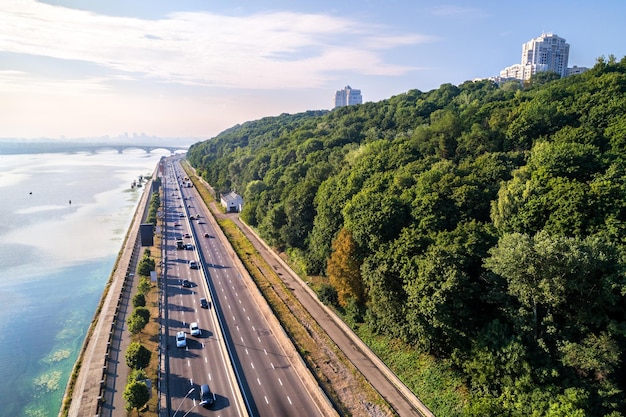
(547, 52)
(347, 97)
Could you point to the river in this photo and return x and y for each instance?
(63, 219)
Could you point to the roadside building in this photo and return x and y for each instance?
(232, 202)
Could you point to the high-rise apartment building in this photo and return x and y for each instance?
(548, 52)
(347, 97)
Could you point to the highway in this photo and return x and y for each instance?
(270, 386)
(204, 360)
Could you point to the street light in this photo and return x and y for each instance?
(185, 415)
(183, 400)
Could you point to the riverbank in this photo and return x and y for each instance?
(86, 388)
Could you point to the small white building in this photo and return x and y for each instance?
(232, 202)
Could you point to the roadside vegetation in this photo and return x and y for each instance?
(346, 388)
(143, 324)
(474, 231)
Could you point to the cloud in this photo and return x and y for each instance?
(260, 51)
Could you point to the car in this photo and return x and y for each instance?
(181, 339)
(193, 265)
(186, 283)
(206, 396)
(181, 215)
(204, 303)
(201, 222)
(189, 246)
(194, 329)
(207, 235)
(187, 235)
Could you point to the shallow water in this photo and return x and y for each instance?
(63, 219)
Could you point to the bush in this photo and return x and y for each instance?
(328, 295)
(137, 375)
(137, 356)
(142, 312)
(146, 265)
(139, 300)
(136, 323)
(136, 394)
(144, 285)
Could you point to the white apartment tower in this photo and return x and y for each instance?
(348, 97)
(548, 52)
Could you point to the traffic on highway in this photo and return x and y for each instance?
(222, 353)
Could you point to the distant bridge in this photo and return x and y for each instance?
(52, 146)
(121, 147)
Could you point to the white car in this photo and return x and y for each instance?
(181, 339)
(194, 329)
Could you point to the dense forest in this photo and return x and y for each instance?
(484, 225)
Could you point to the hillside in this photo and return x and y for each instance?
(484, 226)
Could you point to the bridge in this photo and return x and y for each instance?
(54, 146)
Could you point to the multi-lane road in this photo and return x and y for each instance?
(237, 353)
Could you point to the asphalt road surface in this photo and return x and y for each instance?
(269, 382)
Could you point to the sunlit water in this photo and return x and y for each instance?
(55, 259)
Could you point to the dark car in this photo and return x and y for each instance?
(207, 235)
(186, 283)
(204, 303)
(206, 396)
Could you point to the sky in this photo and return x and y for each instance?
(193, 68)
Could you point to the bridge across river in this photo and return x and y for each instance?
(55, 146)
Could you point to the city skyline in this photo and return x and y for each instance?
(194, 68)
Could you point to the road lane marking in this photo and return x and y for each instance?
(280, 382)
(272, 363)
(289, 399)
(258, 381)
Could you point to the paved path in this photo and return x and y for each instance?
(404, 402)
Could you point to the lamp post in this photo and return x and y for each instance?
(185, 415)
(183, 400)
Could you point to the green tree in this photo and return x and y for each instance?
(136, 394)
(137, 375)
(137, 356)
(136, 323)
(146, 265)
(144, 285)
(139, 300)
(142, 312)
